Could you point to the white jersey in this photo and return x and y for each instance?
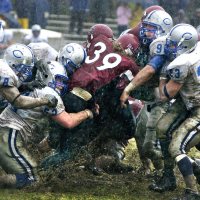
(7, 75)
(30, 38)
(43, 51)
(27, 120)
(157, 46)
(185, 69)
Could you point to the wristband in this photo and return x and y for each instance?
(15, 99)
(89, 114)
(166, 92)
(130, 87)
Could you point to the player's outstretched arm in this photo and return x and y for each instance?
(71, 120)
(142, 77)
(13, 95)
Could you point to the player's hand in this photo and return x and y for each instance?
(93, 112)
(124, 98)
(52, 100)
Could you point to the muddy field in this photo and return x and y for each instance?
(71, 181)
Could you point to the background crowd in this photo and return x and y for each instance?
(25, 14)
(22, 13)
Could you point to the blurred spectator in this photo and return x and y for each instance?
(7, 39)
(181, 18)
(123, 16)
(78, 9)
(5, 13)
(35, 36)
(195, 19)
(39, 12)
(99, 10)
(171, 7)
(5, 6)
(137, 13)
(23, 9)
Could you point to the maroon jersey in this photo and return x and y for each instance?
(136, 31)
(101, 66)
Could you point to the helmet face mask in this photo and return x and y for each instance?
(57, 79)
(172, 47)
(149, 32)
(59, 84)
(24, 72)
(69, 65)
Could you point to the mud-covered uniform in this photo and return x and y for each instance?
(153, 109)
(95, 81)
(185, 70)
(8, 78)
(17, 128)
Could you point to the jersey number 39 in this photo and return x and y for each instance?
(106, 63)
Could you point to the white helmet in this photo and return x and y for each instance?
(161, 23)
(57, 77)
(181, 38)
(20, 58)
(72, 56)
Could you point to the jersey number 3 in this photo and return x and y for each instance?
(106, 63)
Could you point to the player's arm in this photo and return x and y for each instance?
(14, 97)
(170, 90)
(71, 120)
(143, 76)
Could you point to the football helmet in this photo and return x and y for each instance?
(181, 38)
(157, 23)
(150, 9)
(99, 29)
(129, 43)
(21, 59)
(57, 79)
(71, 56)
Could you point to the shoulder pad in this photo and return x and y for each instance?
(157, 46)
(7, 75)
(180, 61)
(178, 69)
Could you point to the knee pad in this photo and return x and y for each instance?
(23, 180)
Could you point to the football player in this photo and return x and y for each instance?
(16, 68)
(184, 79)
(103, 64)
(156, 24)
(18, 126)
